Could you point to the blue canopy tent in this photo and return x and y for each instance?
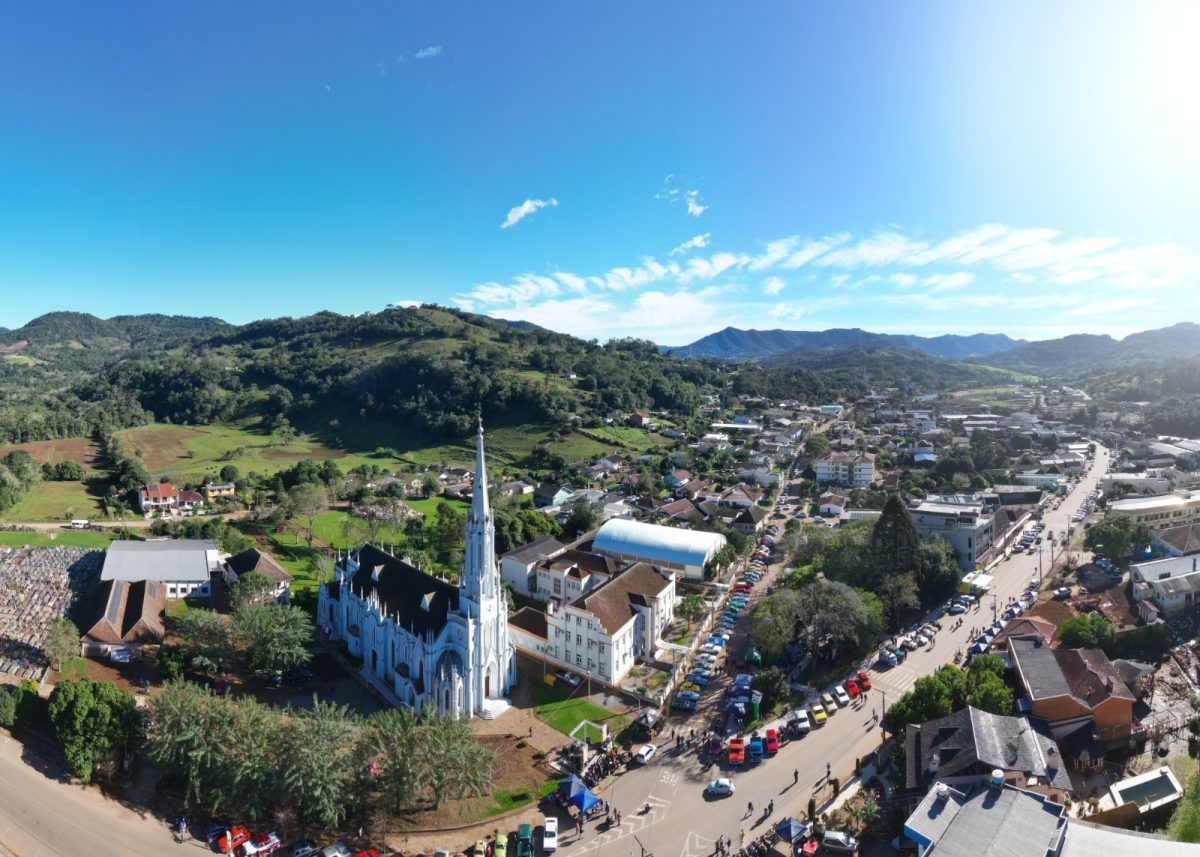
(789, 829)
(574, 790)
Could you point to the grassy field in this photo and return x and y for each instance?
(58, 501)
(558, 708)
(1000, 397)
(77, 449)
(60, 538)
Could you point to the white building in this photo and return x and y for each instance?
(603, 633)
(672, 548)
(1162, 510)
(961, 521)
(831, 410)
(854, 469)
(184, 566)
(426, 643)
(1172, 584)
(518, 567)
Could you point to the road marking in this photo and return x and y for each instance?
(697, 845)
(630, 825)
(668, 778)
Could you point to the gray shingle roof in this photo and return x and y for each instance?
(537, 550)
(1003, 822)
(1087, 839)
(173, 561)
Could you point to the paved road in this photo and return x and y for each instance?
(683, 822)
(41, 816)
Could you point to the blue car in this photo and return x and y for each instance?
(701, 680)
(716, 641)
(687, 694)
(684, 704)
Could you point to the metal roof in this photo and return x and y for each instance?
(655, 543)
(174, 560)
(1087, 839)
(992, 822)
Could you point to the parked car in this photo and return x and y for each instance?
(817, 713)
(681, 704)
(232, 838)
(688, 694)
(839, 693)
(839, 842)
(771, 742)
(337, 849)
(755, 748)
(525, 840)
(1062, 592)
(550, 833)
(967, 599)
(852, 687)
(260, 843)
(799, 723)
(697, 679)
(721, 787)
(303, 848)
(956, 609)
(863, 680)
(828, 703)
(888, 657)
(568, 678)
(737, 751)
(690, 685)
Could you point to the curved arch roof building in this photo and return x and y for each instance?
(679, 550)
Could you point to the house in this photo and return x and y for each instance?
(741, 495)
(132, 616)
(1070, 687)
(1023, 626)
(762, 476)
(552, 494)
(184, 567)
(684, 509)
(751, 520)
(687, 552)
(1172, 583)
(215, 490)
(603, 633)
(1018, 496)
(965, 748)
(161, 497)
(252, 559)
(1006, 821)
(1176, 541)
(518, 567)
(516, 488)
(831, 504)
(852, 469)
(190, 502)
(831, 410)
(638, 419)
(678, 478)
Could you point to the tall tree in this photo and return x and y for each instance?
(253, 587)
(272, 636)
(206, 636)
(62, 642)
(91, 719)
(894, 540)
(306, 501)
(318, 770)
(773, 622)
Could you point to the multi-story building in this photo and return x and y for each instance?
(160, 497)
(1161, 510)
(671, 548)
(853, 469)
(603, 633)
(960, 520)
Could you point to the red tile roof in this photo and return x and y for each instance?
(160, 491)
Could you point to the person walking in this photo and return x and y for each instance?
(749, 808)
(828, 770)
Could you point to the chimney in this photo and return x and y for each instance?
(935, 762)
(997, 778)
(943, 792)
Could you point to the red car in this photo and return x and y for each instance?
(260, 843)
(864, 680)
(772, 741)
(852, 687)
(231, 839)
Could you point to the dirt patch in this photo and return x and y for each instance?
(161, 446)
(127, 676)
(78, 449)
(515, 769)
(1052, 611)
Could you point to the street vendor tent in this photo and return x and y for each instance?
(574, 790)
(789, 829)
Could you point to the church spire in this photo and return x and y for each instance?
(479, 499)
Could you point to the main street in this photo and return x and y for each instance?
(683, 822)
(40, 815)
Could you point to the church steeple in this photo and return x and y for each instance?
(480, 510)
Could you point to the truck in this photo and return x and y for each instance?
(756, 750)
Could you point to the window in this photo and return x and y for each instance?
(579, 660)
(557, 586)
(578, 640)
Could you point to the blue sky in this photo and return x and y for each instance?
(658, 170)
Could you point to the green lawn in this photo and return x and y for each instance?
(73, 668)
(512, 798)
(59, 538)
(57, 501)
(564, 709)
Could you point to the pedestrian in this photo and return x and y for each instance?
(874, 716)
(795, 776)
(530, 731)
(741, 837)
(606, 807)
(828, 770)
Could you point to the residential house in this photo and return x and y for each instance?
(1172, 583)
(252, 559)
(852, 469)
(1176, 541)
(638, 419)
(741, 495)
(516, 488)
(552, 494)
(214, 491)
(1070, 687)
(684, 509)
(189, 502)
(966, 747)
(751, 520)
(832, 505)
(518, 567)
(1022, 626)
(603, 633)
(678, 478)
(157, 497)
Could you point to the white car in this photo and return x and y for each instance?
(645, 754)
(956, 609)
(842, 843)
(843, 698)
(800, 722)
(710, 649)
(550, 833)
(722, 787)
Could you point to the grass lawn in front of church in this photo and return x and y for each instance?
(565, 708)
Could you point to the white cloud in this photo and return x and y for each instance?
(428, 53)
(904, 281)
(518, 213)
(696, 242)
(786, 312)
(1018, 277)
(814, 250)
(1106, 307)
(694, 203)
(404, 304)
(947, 282)
(773, 286)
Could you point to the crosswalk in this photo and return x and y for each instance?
(896, 680)
(631, 825)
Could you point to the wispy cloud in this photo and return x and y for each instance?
(773, 286)
(695, 205)
(519, 212)
(696, 242)
(674, 191)
(428, 53)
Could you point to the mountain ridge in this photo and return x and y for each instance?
(733, 343)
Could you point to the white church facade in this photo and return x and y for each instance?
(432, 645)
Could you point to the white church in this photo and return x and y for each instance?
(430, 645)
